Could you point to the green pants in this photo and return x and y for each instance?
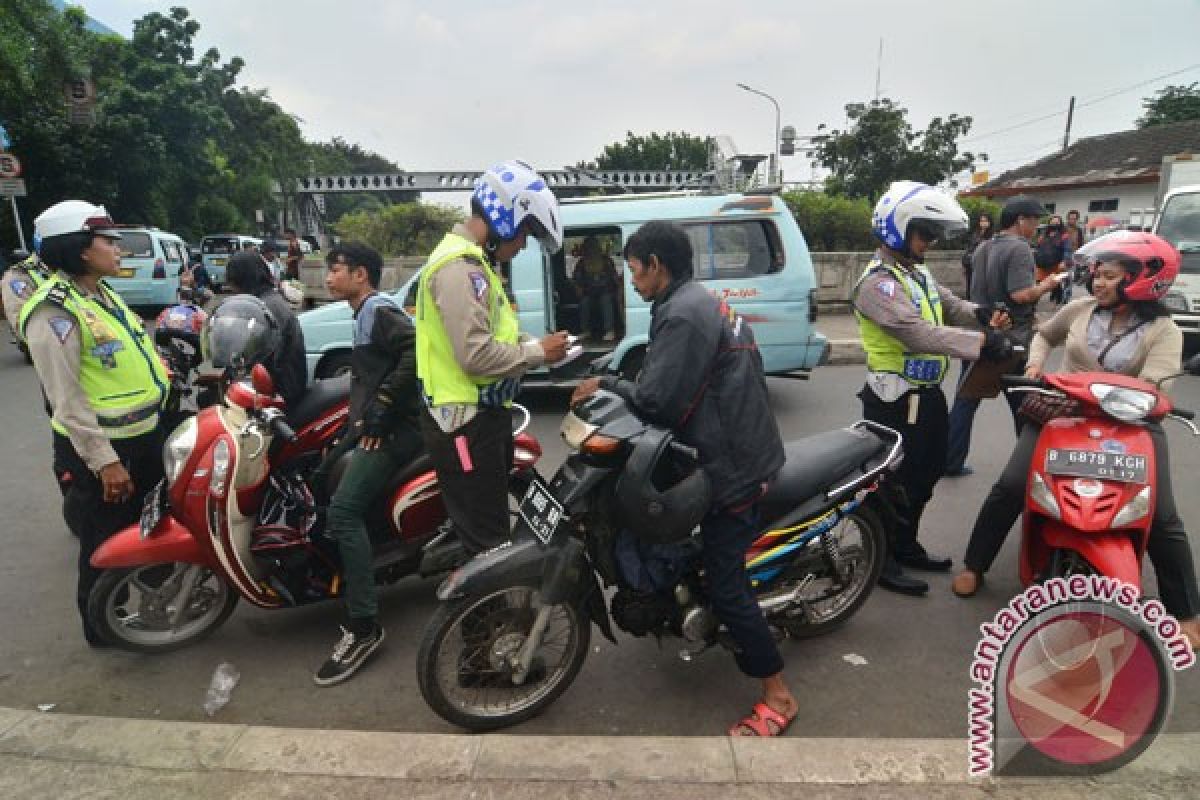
(365, 478)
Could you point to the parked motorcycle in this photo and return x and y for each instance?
(515, 623)
(238, 515)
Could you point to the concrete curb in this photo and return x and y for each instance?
(200, 747)
(846, 351)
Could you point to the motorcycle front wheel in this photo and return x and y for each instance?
(465, 662)
(156, 608)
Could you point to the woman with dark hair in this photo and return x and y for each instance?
(103, 381)
(1124, 328)
(982, 232)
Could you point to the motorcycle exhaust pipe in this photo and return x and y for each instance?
(779, 600)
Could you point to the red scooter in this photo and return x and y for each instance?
(1092, 483)
(237, 516)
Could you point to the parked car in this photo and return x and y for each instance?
(748, 251)
(150, 263)
(216, 248)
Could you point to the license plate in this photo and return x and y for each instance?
(218, 262)
(1096, 464)
(540, 510)
(127, 272)
(153, 509)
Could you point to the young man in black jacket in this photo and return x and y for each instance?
(703, 378)
(383, 418)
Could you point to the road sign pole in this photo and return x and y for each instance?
(17, 219)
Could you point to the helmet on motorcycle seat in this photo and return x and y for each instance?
(1150, 261)
(242, 332)
(907, 207)
(512, 194)
(659, 498)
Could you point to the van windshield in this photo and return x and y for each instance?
(1179, 224)
(136, 245)
(219, 245)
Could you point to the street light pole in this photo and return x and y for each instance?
(774, 176)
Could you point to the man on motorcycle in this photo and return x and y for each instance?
(384, 409)
(902, 315)
(703, 378)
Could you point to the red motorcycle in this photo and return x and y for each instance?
(237, 516)
(1091, 493)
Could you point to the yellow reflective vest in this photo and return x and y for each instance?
(886, 353)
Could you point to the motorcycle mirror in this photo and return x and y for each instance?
(260, 379)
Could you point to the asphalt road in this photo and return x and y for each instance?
(914, 682)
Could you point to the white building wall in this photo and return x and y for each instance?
(1132, 201)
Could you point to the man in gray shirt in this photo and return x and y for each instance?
(1003, 273)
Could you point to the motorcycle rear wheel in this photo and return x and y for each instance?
(865, 561)
(127, 609)
(462, 666)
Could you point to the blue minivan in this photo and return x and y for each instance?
(150, 263)
(748, 251)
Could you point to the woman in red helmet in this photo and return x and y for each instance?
(1122, 327)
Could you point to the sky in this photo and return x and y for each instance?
(463, 85)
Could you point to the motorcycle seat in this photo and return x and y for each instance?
(319, 398)
(817, 463)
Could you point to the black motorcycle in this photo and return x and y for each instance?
(515, 623)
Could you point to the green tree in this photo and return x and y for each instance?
(879, 146)
(403, 229)
(1171, 104)
(832, 222)
(669, 151)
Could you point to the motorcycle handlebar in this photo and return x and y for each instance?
(1183, 413)
(684, 450)
(281, 428)
(1020, 381)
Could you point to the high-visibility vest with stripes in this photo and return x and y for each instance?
(886, 353)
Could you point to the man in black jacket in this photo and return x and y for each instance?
(247, 274)
(383, 419)
(703, 378)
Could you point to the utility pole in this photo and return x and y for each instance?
(1070, 116)
(878, 68)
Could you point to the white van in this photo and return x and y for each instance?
(217, 248)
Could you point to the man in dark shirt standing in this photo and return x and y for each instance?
(1003, 273)
(247, 274)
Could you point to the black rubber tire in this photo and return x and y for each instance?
(109, 581)
(439, 626)
(333, 364)
(868, 522)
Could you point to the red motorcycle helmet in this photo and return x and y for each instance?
(184, 318)
(1150, 262)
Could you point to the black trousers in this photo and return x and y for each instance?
(89, 517)
(1168, 546)
(473, 464)
(924, 454)
(727, 536)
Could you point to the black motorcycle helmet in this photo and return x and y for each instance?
(660, 498)
(242, 332)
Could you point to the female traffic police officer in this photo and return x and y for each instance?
(470, 354)
(103, 380)
(902, 314)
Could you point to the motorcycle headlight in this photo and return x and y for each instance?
(1176, 301)
(178, 449)
(220, 469)
(1040, 493)
(1127, 405)
(1134, 510)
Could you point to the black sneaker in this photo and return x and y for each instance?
(349, 654)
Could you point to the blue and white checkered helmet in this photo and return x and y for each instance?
(512, 193)
(909, 202)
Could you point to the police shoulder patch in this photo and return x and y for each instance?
(19, 287)
(479, 285)
(887, 287)
(61, 327)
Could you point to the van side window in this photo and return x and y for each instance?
(733, 249)
(172, 251)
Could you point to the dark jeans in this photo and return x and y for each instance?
(367, 474)
(1168, 546)
(962, 419)
(727, 535)
(473, 464)
(924, 455)
(90, 518)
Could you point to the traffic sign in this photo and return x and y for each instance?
(12, 187)
(10, 167)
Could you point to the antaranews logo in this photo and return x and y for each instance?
(1073, 676)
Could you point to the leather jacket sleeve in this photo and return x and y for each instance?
(393, 333)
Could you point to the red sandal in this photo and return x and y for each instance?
(759, 721)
